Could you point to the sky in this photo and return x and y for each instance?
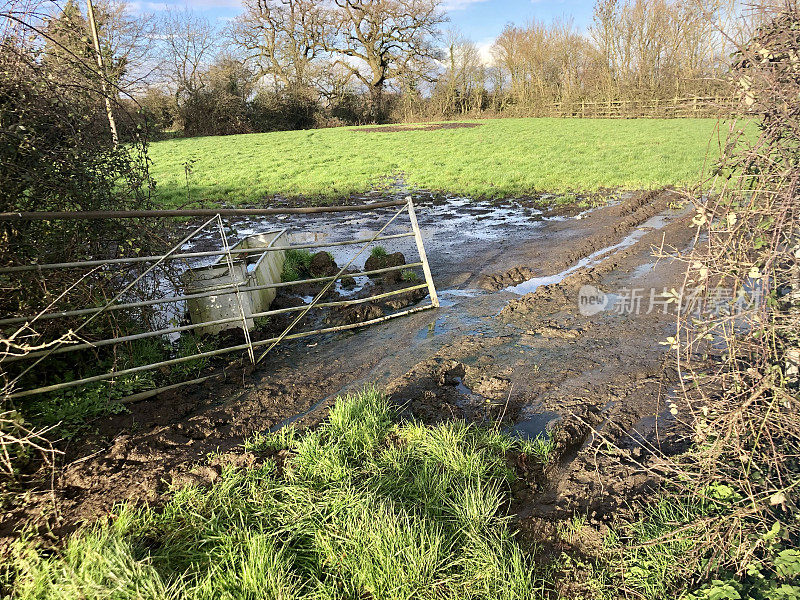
(479, 20)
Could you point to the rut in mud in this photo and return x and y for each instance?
(509, 342)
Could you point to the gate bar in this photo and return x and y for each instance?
(180, 328)
(205, 253)
(87, 311)
(41, 215)
(210, 353)
(422, 256)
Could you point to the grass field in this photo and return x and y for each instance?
(499, 158)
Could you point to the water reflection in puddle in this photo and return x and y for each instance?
(535, 426)
(656, 222)
(432, 329)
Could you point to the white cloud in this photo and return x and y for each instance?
(485, 50)
(460, 4)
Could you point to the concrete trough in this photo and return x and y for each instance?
(250, 271)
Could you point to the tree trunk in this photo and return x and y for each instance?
(112, 124)
(377, 108)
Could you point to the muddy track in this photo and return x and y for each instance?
(622, 218)
(532, 360)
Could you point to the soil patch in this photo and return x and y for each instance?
(426, 127)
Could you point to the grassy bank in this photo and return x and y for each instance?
(498, 158)
(359, 508)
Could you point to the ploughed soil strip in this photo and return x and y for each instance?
(492, 352)
(426, 127)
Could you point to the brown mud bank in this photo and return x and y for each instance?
(511, 343)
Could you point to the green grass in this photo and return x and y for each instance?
(409, 276)
(379, 252)
(362, 508)
(500, 158)
(297, 265)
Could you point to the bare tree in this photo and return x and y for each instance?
(189, 46)
(283, 39)
(129, 39)
(655, 48)
(379, 40)
(463, 83)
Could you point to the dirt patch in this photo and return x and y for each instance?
(425, 127)
(376, 262)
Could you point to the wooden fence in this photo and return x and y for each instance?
(696, 106)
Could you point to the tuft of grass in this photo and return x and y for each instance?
(542, 448)
(297, 265)
(665, 553)
(379, 252)
(261, 323)
(409, 276)
(500, 158)
(271, 441)
(361, 508)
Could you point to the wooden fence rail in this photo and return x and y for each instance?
(678, 107)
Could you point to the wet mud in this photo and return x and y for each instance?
(509, 345)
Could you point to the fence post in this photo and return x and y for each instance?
(422, 256)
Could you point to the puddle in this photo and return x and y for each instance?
(451, 227)
(433, 329)
(642, 270)
(448, 298)
(464, 390)
(656, 222)
(536, 425)
(641, 433)
(470, 399)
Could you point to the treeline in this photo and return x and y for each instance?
(300, 63)
(291, 64)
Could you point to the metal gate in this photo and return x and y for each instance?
(239, 290)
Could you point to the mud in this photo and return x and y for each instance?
(528, 361)
(427, 127)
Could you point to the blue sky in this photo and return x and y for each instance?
(480, 20)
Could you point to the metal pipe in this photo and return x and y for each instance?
(421, 250)
(192, 212)
(205, 253)
(141, 303)
(180, 328)
(156, 391)
(210, 353)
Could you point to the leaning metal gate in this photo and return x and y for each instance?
(235, 285)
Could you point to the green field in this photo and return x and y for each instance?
(499, 158)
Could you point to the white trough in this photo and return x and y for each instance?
(249, 271)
